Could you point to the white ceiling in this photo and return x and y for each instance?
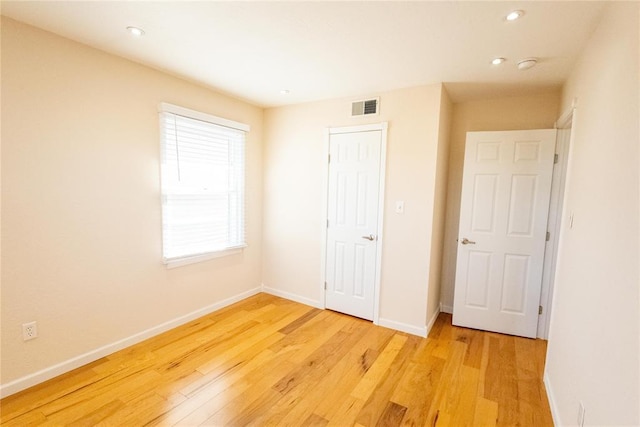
(320, 50)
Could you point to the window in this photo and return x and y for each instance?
(202, 176)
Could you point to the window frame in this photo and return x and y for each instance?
(215, 120)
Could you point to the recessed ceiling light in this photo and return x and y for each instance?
(138, 32)
(285, 91)
(498, 61)
(527, 63)
(512, 16)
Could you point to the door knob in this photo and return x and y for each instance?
(466, 241)
(369, 237)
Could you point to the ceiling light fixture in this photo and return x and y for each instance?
(138, 32)
(527, 63)
(512, 16)
(498, 61)
(285, 92)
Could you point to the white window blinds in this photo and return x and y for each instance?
(202, 183)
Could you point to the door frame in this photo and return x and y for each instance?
(382, 127)
(554, 220)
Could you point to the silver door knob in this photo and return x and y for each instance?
(466, 241)
(369, 237)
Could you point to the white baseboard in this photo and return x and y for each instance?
(292, 297)
(432, 321)
(555, 415)
(446, 308)
(93, 355)
(391, 324)
(403, 327)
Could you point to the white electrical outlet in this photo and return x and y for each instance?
(580, 414)
(29, 331)
(399, 207)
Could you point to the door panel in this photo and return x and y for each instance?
(503, 216)
(352, 212)
(514, 283)
(483, 208)
(522, 205)
(478, 285)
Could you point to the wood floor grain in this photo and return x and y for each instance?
(267, 361)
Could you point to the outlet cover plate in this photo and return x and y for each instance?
(29, 331)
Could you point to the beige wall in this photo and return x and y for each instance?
(80, 225)
(295, 162)
(594, 355)
(524, 112)
(81, 221)
(440, 208)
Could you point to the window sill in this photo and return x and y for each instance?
(179, 262)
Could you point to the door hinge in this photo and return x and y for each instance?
(327, 223)
(325, 286)
(329, 161)
(555, 159)
(548, 236)
(539, 309)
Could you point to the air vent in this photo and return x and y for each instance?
(365, 107)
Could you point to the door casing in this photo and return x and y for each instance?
(564, 143)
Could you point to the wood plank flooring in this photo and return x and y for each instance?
(268, 361)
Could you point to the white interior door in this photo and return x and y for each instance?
(503, 218)
(353, 221)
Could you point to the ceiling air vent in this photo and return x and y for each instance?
(366, 107)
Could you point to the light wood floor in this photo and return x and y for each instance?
(269, 361)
